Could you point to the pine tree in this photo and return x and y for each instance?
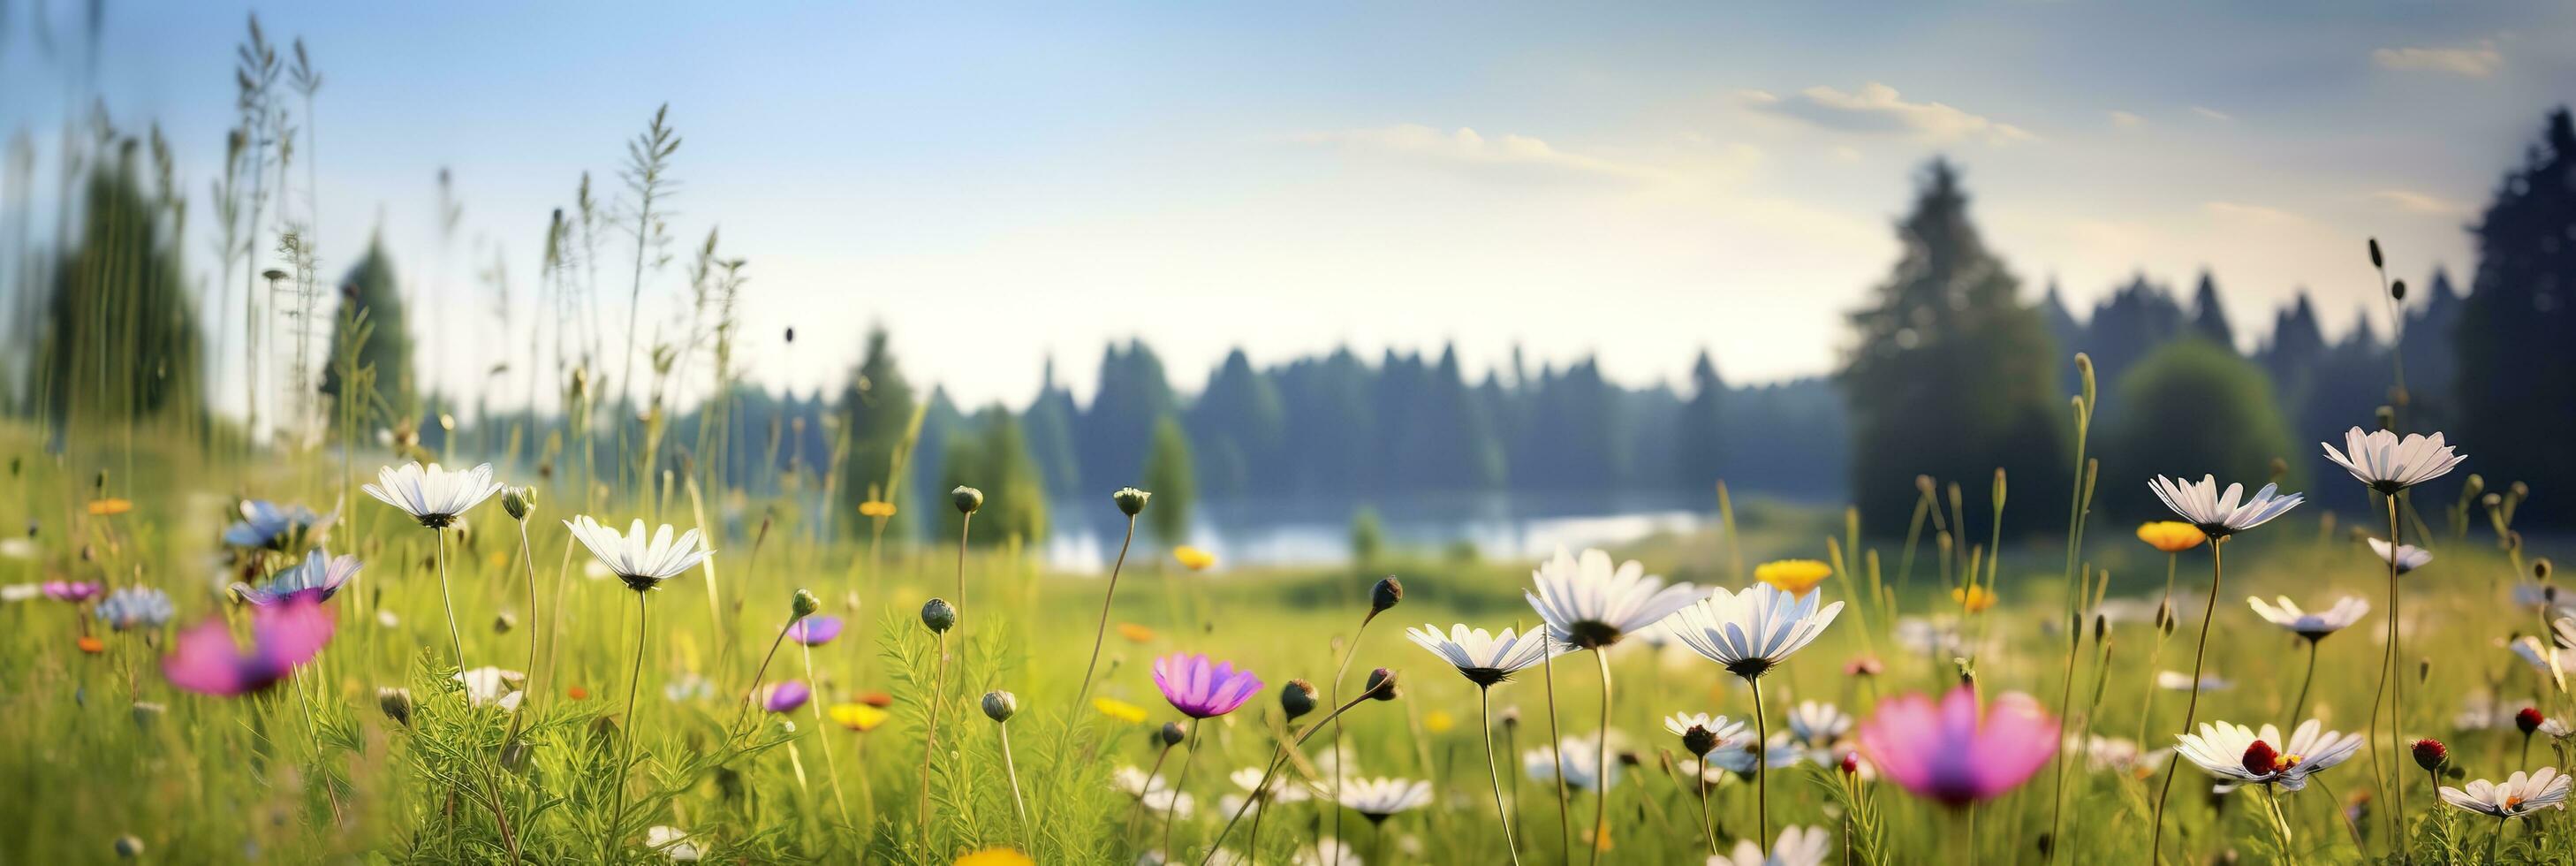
(1702, 437)
(120, 339)
(876, 414)
(2208, 316)
(1169, 474)
(2517, 332)
(370, 290)
(990, 454)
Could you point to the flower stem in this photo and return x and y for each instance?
(762, 673)
(1156, 770)
(1485, 714)
(1601, 760)
(1103, 631)
(831, 767)
(965, 524)
(2191, 708)
(2396, 682)
(1018, 804)
(1171, 816)
(1280, 756)
(626, 743)
(1348, 653)
(527, 561)
(453, 636)
(2301, 705)
(1761, 769)
(930, 731)
(1556, 749)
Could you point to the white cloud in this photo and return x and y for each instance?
(2479, 61)
(2253, 214)
(2125, 120)
(1878, 109)
(1528, 157)
(2212, 113)
(2413, 202)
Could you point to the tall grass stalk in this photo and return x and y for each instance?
(2191, 708)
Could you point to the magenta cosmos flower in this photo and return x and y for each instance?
(815, 630)
(1201, 688)
(74, 591)
(206, 661)
(1958, 753)
(786, 696)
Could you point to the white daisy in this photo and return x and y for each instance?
(318, 577)
(1327, 851)
(1754, 630)
(1590, 605)
(1818, 725)
(2390, 464)
(1580, 755)
(1720, 729)
(643, 563)
(2549, 659)
(2408, 557)
(2181, 682)
(2514, 797)
(1154, 793)
(2237, 753)
(1480, 656)
(492, 687)
(1737, 755)
(2220, 515)
(1798, 846)
(1249, 777)
(1381, 797)
(2313, 625)
(673, 842)
(432, 495)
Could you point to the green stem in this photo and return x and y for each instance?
(1761, 769)
(1171, 816)
(1485, 715)
(453, 636)
(2396, 692)
(1098, 634)
(2191, 708)
(1018, 804)
(626, 741)
(1556, 749)
(1601, 758)
(2301, 705)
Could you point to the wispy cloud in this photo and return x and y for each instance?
(2212, 113)
(1533, 158)
(2413, 202)
(2477, 61)
(2254, 214)
(2126, 120)
(1878, 109)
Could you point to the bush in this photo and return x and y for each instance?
(2192, 409)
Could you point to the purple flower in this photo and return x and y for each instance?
(206, 661)
(318, 578)
(786, 696)
(74, 591)
(1201, 688)
(271, 526)
(815, 630)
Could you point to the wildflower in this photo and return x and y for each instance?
(688, 686)
(2220, 515)
(1379, 798)
(876, 508)
(967, 499)
(518, 502)
(1296, 699)
(938, 615)
(1000, 705)
(1439, 721)
(1193, 558)
(1702, 733)
(2528, 720)
(2430, 754)
(136, 607)
(1384, 596)
(396, 703)
(2237, 753)
(577, 693)
(1120, 710)
(205, 660)
(2390, 464)
(1579, 756)
(641, 562)
(857, 717)
(1200, 688)
(783, 697)
(1975, 599)
(2514, 797)
(1131, 501)
(90, 644)
(673, 843)
(433, 495)
(129, 846)
(1794, 576)
(1864, 666)
(318, 577)
(1752, 631)
(1135, 633)
(815, 630)
(1818, 725)
(996, 857)
(74, 591)
(2182, 682)
(1955, 752)
(2171, 536)
(493, 687)
(109, 507)
(2313, 625)
(1798, 846)
(2406, 557)
(1589, 604)
(1481, 657)
(269, 526)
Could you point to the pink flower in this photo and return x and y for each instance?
(206, 661)
(1200, 688)
(786, 696)
(74, 591)
(1958, 753)
(815, 630)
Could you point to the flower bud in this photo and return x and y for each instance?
(2429, 754)
(938, 615)
(1381, 684)
(518, 501)
(2540, 569)
(2397, 291)
(1385, 595)
(1511, 717)
(1297, 698)
(2528, 720)
(2375, 260)
(396, 702)
(968, 499)
(1171, 734)
(1850, 763)
(1000, 705)
(129, 846)
(503, 622)
(1130, 500)
(804, 604)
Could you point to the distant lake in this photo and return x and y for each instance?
(1083, 536)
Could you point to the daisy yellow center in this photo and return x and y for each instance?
(2513, 801)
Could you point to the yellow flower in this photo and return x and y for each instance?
(857, 717)
(1193, 558)
(1439, 721)
(1135, 633)
(109, 507)
(1120, 710)
(877, 508)
(1974, 598)
(996, 857)
(1794, 576)
(2171, 536)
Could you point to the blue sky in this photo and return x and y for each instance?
(998, 183)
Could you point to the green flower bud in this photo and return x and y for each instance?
(518, 501)
(1381, 685)
(968, 499)
(1171, 734)
(1385, 595)
(1297, 698)
(1130, 500)
(396, 703)
(1000, 705)
(804, 604)
(939, 615)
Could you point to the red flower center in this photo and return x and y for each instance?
(2261, 760)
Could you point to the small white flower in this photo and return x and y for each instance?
(1589, 604)
(1798, 846)
(2220, 515)
(433, 495)
(2514, 797)
(492, 687)
(387, 619)
(16, 547)
(1580, 756)
(22, 592)
(2408, 557)
(2241, 754)
(2181, 682)
(1381, 797)
(1155, 792)
(673, 842)
(2557, 730)
(1738, 755)
(2313, 625)
(1327, 851)
(1725, 730)
(1248, 777)
(2390, 464)
(640, 561)
(2550, 659)
(1818, 725)
(1754, 630)
(1484, 658)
